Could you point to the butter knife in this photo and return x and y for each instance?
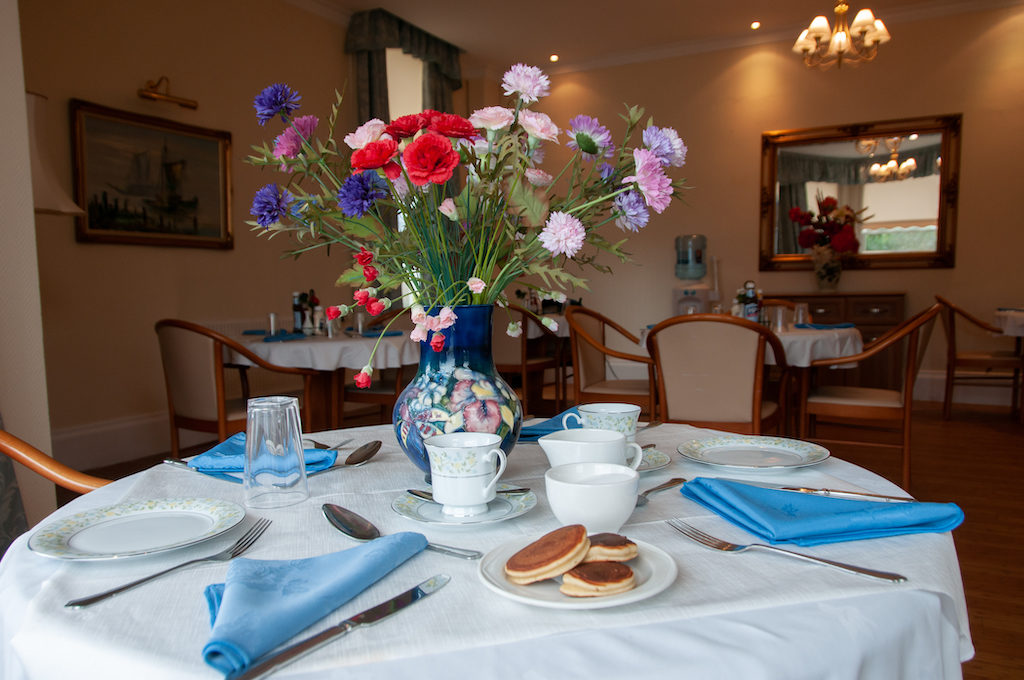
(834, 493)
(428, 496)
(268, 664)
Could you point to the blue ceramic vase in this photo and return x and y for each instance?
(457, 390)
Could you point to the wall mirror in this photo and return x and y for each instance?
(903, 173)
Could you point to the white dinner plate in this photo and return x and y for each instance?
(501, 508)
(753, 453)
(653, 460)
(653, 568)
(135, 528)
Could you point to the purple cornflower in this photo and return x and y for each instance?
(606, 170)
(590, 137)
(275, 99)
(359, 192)
(270, 204)
(666, 145)
(529, 81)
(631, 211)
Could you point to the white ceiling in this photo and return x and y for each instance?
(600, 33)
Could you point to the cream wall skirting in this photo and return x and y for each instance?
(115, 441)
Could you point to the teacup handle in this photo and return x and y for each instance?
(638, 455)
(565, 420)
(502, 462)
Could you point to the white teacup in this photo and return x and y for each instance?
(607, 416)
(462, 471)
(587, 445)
(600, 496)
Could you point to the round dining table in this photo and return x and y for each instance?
(749, 615)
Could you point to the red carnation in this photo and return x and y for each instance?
(845, 241)
(333, 313)
(807, 238)
(374, 306)
(393, 171)
(450, 125)
(371, 273)
(827, 205)
(430, 158)
(362, 380)
(405, 126)
(361, 297)
(364, 256)
(437, 342)
(374, 155)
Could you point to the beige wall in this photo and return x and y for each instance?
(99, 302)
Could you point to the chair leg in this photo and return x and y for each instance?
(175, 446)
(947, 401)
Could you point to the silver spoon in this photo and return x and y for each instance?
(358, 527)
(641, 500)
(428, 496)
(325, 447)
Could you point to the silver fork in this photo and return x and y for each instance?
(240, 546)
(325, 447)
(699, 536)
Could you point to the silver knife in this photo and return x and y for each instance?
(268, 664)
(834, 493)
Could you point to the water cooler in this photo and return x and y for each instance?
(698, 273)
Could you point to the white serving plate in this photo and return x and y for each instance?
(752, 452)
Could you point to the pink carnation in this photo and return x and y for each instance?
(449, 210)
(492, 118)
(539, 178)
(538, 125)
(289, 143)
(419, 333)
(528, 81)
(446, 318)
(475, 285)
(563, 234)
(651, 179)
(370, 131)
(418, 315)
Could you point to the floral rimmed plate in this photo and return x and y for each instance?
(653, 460)
(135, 528)
(501, 508)
(753, 452)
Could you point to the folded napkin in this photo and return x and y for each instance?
(227, 459)
(263, 603)
(255, 331)
(807, 519)
(284, 337)
(532, 433)
(375, 332)
(825, 326)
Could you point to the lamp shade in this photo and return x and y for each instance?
(48, 195)
(819, 28)
(864, 21)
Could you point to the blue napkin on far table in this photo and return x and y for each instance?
(824, 326)
(375, 332)
(254, 331)
(284, 337)
(532, 433)
(227, 459)
(806, 519)
(263, 603)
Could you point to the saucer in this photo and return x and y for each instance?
(653, 460)
(501, 508)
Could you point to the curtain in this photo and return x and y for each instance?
(798, 168)
(371, 33)
(790, 196)
(12, 512)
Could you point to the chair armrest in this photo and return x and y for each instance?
(42, 464)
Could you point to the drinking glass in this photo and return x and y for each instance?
(800, 313)
(275, 465)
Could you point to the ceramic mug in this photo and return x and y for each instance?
(588, 445)
(462, 471)
(607, 416)
(600, 496)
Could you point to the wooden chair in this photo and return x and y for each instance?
(380, 397)
(194, 373)
(1009, 363)
(588, 331)
(512, 357)
(710, 372)
(867, 406)
(40, 463)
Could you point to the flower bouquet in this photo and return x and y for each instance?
(828, 234)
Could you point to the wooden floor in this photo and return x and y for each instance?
(977, 461)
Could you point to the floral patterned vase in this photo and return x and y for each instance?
(827, 267)
(457, 390)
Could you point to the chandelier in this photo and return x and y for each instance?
(823, 46)
(893, 169)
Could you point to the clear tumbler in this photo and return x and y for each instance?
(275, 466)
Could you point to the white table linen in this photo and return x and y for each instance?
(1011, 321)
(751, 616)
(329, 354)
(804, 345)
(533, 332)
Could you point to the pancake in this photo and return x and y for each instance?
(595, 579)
(549, 556)
(610, 548)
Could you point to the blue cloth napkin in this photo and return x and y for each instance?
(263, 603)
(284, 337)
(375, 332)
(254, 331)
(533, 432)
(807, 519)
(227, 459)
(825, 326)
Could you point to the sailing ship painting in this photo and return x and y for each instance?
(148, 183)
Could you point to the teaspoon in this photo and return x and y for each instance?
(358, 527)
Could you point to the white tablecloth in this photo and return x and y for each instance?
(749, 616)
(533, 332)
(1011, 321)
(328, 354)
(804, 345)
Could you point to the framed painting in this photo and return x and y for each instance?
(150, 181)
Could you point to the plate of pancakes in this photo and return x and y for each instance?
(569, 569)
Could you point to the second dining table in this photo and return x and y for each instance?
(750, 615)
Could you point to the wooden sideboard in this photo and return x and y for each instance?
(873, 314)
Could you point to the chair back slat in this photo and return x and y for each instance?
(190, 368)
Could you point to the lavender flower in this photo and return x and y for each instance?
(529, 81)
(631, 211)
(591, 138)
(359, 192)
(276, 99)
(666, 145)
(606, 170)
(270, 204)
(650, 178)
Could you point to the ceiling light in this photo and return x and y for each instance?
(893, 170)
(823, 46)
(755, 25)
(553, 57)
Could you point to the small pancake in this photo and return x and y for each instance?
(550, 555)
(610, 548)
(595, 579)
